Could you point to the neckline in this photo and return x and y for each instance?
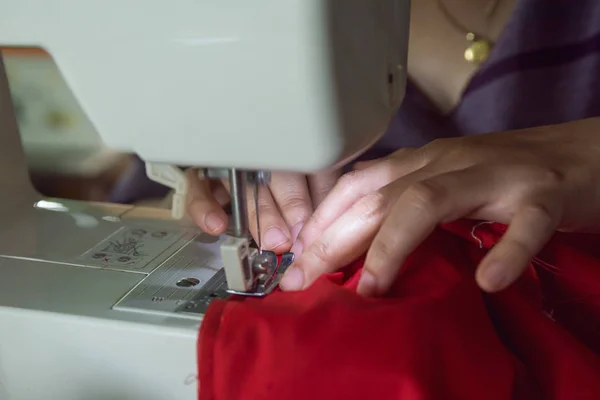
(502, 38)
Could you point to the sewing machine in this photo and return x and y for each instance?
(102, 301)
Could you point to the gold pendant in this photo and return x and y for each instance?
(478, 51)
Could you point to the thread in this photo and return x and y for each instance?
(479, 241)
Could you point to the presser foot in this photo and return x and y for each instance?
(268, 270)
(249, 272)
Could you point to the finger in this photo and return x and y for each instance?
(404, 155)
(203, 208)
(351, 187)
(366, 164)
(220, 192)
(321, 184)
(531, 228)
(421, 206)
(344, 241)
(275, 234)
(291, 193)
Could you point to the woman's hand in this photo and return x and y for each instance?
(536, 180)
(283, 208)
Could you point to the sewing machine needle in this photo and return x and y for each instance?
(258, 234)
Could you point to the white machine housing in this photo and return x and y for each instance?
(226, 83)
(266, 84)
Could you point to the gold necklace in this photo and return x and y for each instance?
(479, 47)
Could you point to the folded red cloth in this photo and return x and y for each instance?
(435, 335)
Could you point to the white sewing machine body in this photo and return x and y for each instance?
(94, 298)
(207, 80)
(72, 328)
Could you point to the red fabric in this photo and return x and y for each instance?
(434, 336)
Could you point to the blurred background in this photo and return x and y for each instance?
(66, 156)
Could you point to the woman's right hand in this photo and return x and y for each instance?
(284, 207)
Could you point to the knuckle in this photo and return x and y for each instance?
(464, 153)
(361, 165)
(424, 157)
(372, 205)
(293, 201)
(551, 177)
(315, 224)
(388, 167)
(321, 251)
(316, 219)
(264, 208)
(403, 152)
(319, 194)
(426, 195)
(541, 213)
(437, 144)
(438, 147)
(296, 207)
(382, 250)
(324, 181)
(459, 150)
(350, 180)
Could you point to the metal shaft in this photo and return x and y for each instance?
(239, 209)
(256, 204)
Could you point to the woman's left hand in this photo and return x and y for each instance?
(535, 180)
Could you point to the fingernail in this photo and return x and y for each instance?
(296, 231)
(274, 237)
(367, 284)
(214, 222)
(493, 277)
(293, 279)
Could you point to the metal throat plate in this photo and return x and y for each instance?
(216, 288)
(191, 279)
